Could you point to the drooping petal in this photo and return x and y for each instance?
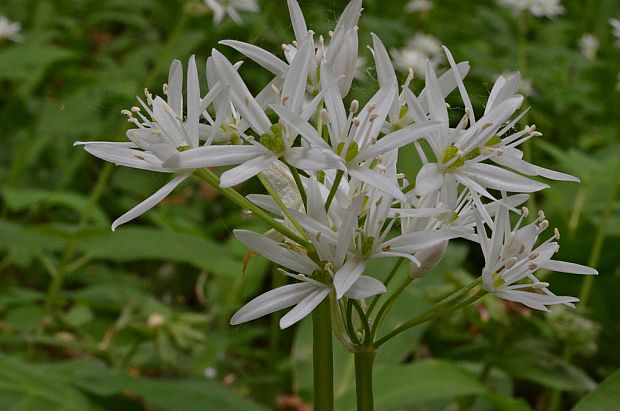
(271, 301)
(411, 242)
(150, 202)
(365, 287)
(124, 154)
(497, 178)
(276, 252)
(378, 181)
(304, 307)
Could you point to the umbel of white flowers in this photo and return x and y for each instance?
(331, 168)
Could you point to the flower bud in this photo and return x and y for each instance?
(429, 258)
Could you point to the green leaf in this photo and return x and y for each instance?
(23, 242)
(24, 387)
(135, 244)
(605, 397)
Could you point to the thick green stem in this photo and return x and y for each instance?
(322, 357)
(363, 378)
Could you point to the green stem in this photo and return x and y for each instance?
(385, 308)
(334, 188)
(243, 202)
(435, 311)
(387, 282)
(299, 184)
(363, 378)
(363, 319)
(322, 357)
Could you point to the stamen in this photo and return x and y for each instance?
(324, 116)
(532, 267)
(354, 106)
(511, 262)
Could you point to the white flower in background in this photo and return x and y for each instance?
(161, 135)
(419, 49)
(10, 29)
(511, 261)
(588, 44)
(615, 29)
(222, 8)
(538, 8)
(416, 6)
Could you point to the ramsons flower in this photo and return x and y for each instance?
(512, 259)
(538, 8)
(9, 29)
(231, 8)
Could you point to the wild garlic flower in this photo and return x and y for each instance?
(420, 49)
(615, 30)
(231, 8)
(10, 29)
(416, 6)
(162, 131)
(588, 44)
(512, 259)
(538, 8)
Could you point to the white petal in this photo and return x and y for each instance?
(365, 287)
(347, 228)
(408, 243)
(259, 55)
(297, 20)
(300, 126)
(333, 102)
(429, 179)
(124, 155)
(447, 82)
(294, 87)
(401, 137)
(461, 87)
(566, 267)
(435, 99)
(378, 181)
(347, 275)
(524, 167)
(214, 156)
(266, 202)
(193, 102)
(314, 159)
(503, 89)
(497, 178)
(150, 202)
(272, 301)
(304, 307)
(276, 252)
(175, 87)
(245, 170)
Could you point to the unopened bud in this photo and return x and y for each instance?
(429, 258)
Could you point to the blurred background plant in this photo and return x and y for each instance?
(138, 319)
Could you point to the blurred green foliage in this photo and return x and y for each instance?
(138, 319)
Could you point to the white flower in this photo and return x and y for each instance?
(10, 29)
(315, 282)
(538, 8)
(415, 6)
(589, 46)
(511, 261)
(615, 29)
(419, 49)
(221, 8)
(161, 135)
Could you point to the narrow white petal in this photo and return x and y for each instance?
(193, 102)
(294, 87)
(124, 155)
(150, 202)
(259, 55)
(435, 99)
(429, 179)
(333, 102)
(347, 228)
(497, 178)
(175, 86)
(347, 275)
(408, 243)
(276, 252)
(365, 287)
(297, 20)
(246, 170)
(314, 159)
(401, 137)
(266, 202)
(378, 181)
(272, 301)
(566, 267)
(214, 156)
(304, 307)
(461, 87)
(447, 82)
(300, 126)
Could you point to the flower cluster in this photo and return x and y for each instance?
(538, 8)
(9, 29)
(336, 196)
